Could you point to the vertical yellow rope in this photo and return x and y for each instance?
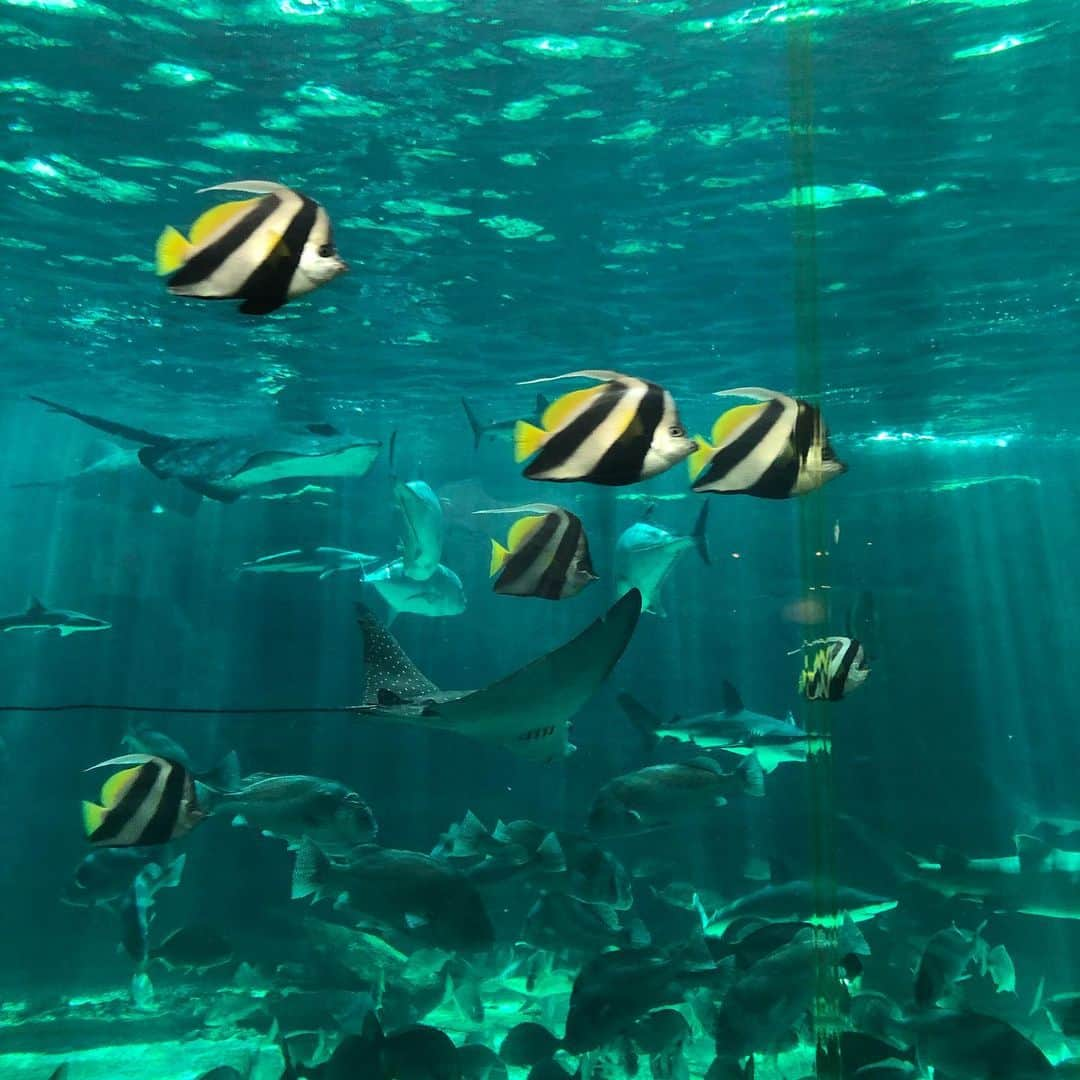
(812, 537)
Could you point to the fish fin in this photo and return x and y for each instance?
(173, 873)
(699, 909)
(474, 423)
(212, 220)
(93, 816)
(254, 187)
(562, 409)
(310, 871)
(259, 306)
(224, 776)
(752, 776)
(701, 457)
(35, 607)
(757, 392)
(65, 630)
(730, 697)
(522, 529)
(550, 854)
(645, 720)
(1032, 852)
(499, 555)
(413, 921)
(638, 934)
(112, 791)
(698, 535)
(706, 763)
(471, 832)
(727, 422)
(528, 438)
(172, 251)
(851, 938)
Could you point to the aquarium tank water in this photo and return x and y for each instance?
(539, 540)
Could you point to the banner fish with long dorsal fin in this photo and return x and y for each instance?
(773, 450)
(622, 431)
(546, 554)
(264, 251)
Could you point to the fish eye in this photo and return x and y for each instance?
(676, 432)
(326, 250)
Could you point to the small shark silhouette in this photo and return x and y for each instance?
(38, 617)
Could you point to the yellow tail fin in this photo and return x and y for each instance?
(697, 461)
(528, 438)
(92, 816)
(172, 250)
(499, 555)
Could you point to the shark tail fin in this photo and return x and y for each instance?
(700, 536)
(474, 423)
(644, 719)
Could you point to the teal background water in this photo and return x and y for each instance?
(522, 190)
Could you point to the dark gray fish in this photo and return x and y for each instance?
(622, 431)
(616, 988)
(527, 1044)
(660, 796)
(146, 805)
(546, 554)
(226, 467)
(479, 1062)
(774, 450)
(104, 876)
(402, 890)
(264, 251)
(559, 922)
(39, 617)
(193, 948)
(292, 807)
(973, 1046)
(945, 960)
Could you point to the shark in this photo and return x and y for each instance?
(496, 429)
(735, 729)
(39, 617)
(528, 712)
(323, 561)
(226, 467)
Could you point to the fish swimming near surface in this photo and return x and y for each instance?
(834, 670)
(421, 515)
(645, 554)
(496, 429)
(151, 803)
(292, 807)
(324, 561)
(660, 796)
(735, 729)
(227, 467)
(774, 450)
(440, 595)
(527, 712)
(546, 554)
(264, 251)
(41, 618)
(625, 430)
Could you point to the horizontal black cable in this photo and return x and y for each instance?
(234, 711)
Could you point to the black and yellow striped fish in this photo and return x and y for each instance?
(151, 803)
(773, 450)
(620, 432)
(834, 670)
(546, 554)
(264, 251)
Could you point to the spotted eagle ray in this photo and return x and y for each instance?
(225, 467)
(527, 712)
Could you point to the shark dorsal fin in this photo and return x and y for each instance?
(1032, 851)
(35, 607)
(732, 702)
